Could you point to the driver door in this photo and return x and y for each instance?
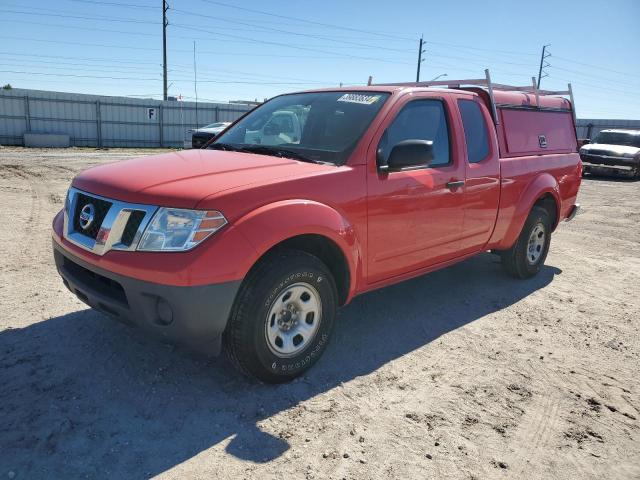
(415, 217)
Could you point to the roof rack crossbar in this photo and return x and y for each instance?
(490, 86)
(480, 82)
(494, 110)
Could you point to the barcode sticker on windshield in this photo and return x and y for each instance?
(359, 98)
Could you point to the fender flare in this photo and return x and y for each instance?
(541, 185)
(273, 223)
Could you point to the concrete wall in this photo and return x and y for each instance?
(100, 121)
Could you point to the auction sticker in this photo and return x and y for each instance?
(359, 98)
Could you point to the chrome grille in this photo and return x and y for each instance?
(133, 224)
(116, 225)
(101, 208)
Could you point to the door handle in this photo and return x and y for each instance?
(455, 184)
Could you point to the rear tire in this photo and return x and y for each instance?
(526, 257)
(283, 317)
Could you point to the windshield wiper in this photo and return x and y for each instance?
(225, 146)
(279, 152)
(267, 150)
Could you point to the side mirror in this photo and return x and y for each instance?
(406, 155)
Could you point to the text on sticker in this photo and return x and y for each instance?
(359, 98)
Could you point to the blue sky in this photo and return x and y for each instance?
(248, 49)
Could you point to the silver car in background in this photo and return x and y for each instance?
(201, 136)
(612, 151)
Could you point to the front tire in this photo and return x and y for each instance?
(527, 256)
(283, 317)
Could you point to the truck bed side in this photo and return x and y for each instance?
(538, 159)
(527, 180)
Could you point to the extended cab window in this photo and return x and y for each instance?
(316, 126)
(420, 120)
(475, 130)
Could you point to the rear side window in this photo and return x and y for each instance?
(476, 133)
(420, 120)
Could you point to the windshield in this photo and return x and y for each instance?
(319, 126)
(619, 138)
(216, 125)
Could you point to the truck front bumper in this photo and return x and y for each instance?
(602, 162)
(192, 316)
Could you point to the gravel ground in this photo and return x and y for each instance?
(463, 373)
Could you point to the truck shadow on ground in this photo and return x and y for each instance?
(85, 396)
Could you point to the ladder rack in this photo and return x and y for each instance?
(490, 86)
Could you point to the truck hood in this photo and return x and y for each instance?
(183, 178)
(613, 150)
(209, 130)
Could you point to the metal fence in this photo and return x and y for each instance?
(100, 121)
(590, 127)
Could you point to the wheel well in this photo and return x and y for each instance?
(549, 204)
(328, 252)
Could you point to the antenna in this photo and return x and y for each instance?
(165, 22)
(195, 81)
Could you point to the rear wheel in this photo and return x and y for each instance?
(527, 256)
(283, 317)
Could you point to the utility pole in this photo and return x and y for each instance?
(543, 63)
(420, 52)
(165, 7)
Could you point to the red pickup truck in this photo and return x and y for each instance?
(253, 242)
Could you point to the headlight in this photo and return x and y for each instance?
(177, 230)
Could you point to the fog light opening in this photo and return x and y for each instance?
(164, 312)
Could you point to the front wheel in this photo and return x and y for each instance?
(527, 256)
(283, 317)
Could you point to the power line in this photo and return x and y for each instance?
(108, 77)
(353, 44)
(82, 17)
(14, 54)
(145, 34)
(117, 4)
(95, 2)
(297, 19)
(598, 78)
(85, 67)
(217, 71)
(279, 44)
(75, 27)
(289, 32)
(469, 47)
(83, 76)
(599, 87)
(597, 67)
(61, 42)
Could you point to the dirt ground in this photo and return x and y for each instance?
(463, 373)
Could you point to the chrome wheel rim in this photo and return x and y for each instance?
(535, 246)
(293, 320)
